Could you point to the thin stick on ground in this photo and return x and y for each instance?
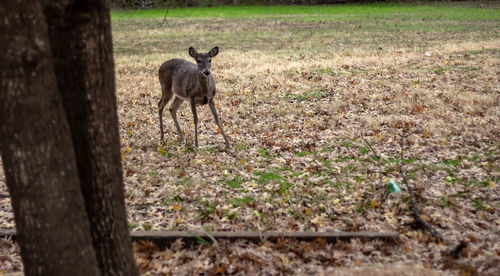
(379, 158)
(416, 213)
(456, 249)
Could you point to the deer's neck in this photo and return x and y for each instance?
(204, 84)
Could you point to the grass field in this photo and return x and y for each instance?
(315, 13)
(268, 29)
(296, 88)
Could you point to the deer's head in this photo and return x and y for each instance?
(203, 60)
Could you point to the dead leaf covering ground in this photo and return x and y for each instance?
(293, 108)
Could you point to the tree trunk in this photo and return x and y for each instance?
(85, 77)
(59, 138)
(37, 151)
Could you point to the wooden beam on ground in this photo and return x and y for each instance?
(6, 233)
(164, 238)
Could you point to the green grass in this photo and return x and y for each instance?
(266, 177)
(322, 29)
(235, 182)
(320, 12)
(242, 201)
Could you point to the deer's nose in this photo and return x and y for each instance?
(206, 72)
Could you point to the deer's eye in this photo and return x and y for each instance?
(199, 61)
(210, 60)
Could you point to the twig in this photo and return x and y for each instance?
(454, 253)
(458, 248)
(165, 17)
(379, 157)
(130, 13)
(416, 213)
(145, 3)
(131, 10)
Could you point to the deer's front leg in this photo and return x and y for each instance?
(214, 112)
(195, 117)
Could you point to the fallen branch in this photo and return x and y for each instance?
(164, 238)
(418, 218)
(456, 251)
(416, 213)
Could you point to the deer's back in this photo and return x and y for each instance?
(176, 68)
(182, 77)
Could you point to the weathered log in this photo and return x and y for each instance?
(163, 238)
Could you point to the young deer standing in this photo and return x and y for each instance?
(191, 82)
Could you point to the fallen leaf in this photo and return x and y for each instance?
(307, 211)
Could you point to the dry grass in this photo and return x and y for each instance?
(274, 108)
(293, 97)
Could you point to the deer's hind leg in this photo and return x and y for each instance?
(166, 95)
(173, 111)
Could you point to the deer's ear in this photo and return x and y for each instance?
(214, 51)
(192, 52)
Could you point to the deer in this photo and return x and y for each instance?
(185, 81)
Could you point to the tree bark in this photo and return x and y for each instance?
(42, 178)
(59, 138)
(85, 76)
